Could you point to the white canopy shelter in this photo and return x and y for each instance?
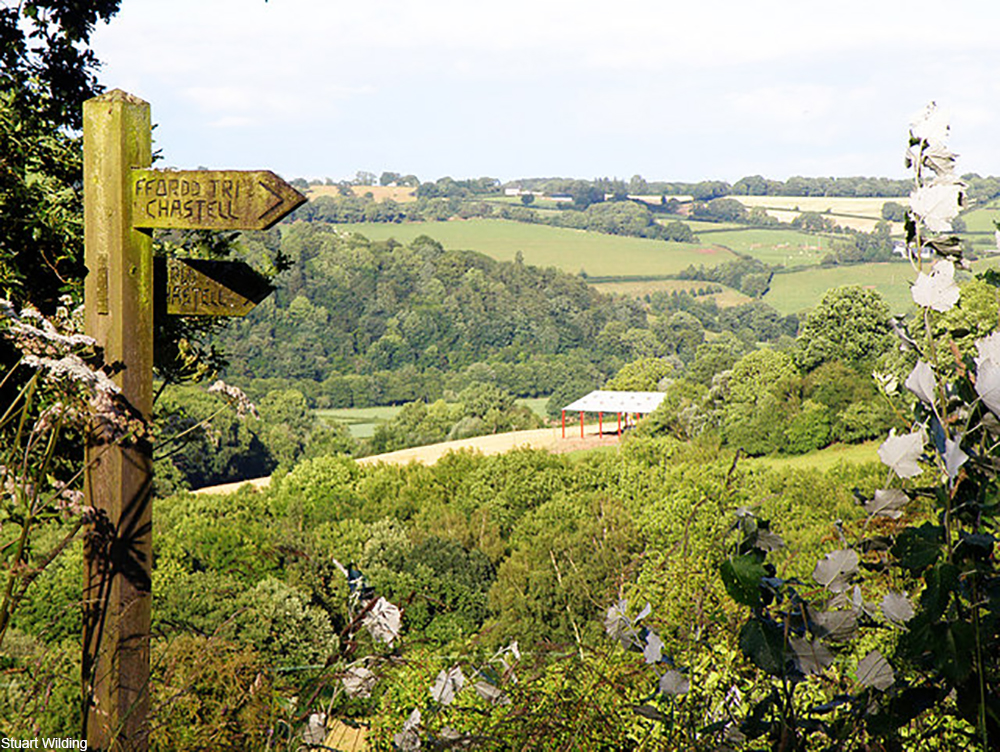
(621, 403)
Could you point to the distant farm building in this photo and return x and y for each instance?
(626, 405)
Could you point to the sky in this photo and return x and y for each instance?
(668, 90)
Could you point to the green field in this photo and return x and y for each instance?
(786, 247)
(825, 459)
(701, 226)
(536, 405)
(360, 421)
(796, 291)
(624, 262)
(982, 219)
(570, 250)
(640, 289)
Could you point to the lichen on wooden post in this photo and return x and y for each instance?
(118, 483)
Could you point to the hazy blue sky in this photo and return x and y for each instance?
(670, 90)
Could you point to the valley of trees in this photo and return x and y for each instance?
(357, 324)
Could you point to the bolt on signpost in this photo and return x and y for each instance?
(123, 199)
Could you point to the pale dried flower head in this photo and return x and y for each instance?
(72, 368)
(34, 334)
(113, 421)
(235, 397)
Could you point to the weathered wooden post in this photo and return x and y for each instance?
(122, 195)
(119, 315)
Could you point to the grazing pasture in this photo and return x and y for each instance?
(639, 289)
(799, 290)
(788, 248)
(360, 421)
(598, 254)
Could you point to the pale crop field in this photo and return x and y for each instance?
(861, 224)
(860, 214)
(860, 207)
(572, 251)
(399, 194)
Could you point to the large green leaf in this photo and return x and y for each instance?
(919, 547)
(901, 709)
(941, 580)
(977, 546)
(953, 646)
(763, 642)
(742, 576)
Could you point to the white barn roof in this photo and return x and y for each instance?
(618, 402)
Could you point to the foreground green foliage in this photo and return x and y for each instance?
(478, 552)
(931, 530)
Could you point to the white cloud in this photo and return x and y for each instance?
(668, 89)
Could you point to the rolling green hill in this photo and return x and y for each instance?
(796, 291)
(570, 250)
(773, 246)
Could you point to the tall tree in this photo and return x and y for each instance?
(46, 72)
(850, 324)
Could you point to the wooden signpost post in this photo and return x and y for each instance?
(123, 199)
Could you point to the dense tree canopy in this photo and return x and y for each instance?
(46, 72)
(44, 59)
(850, 324)
(349, 305)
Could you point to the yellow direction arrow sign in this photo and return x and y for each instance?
(210, 199)
(200, 287)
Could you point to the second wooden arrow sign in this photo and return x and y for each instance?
(200, 287)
